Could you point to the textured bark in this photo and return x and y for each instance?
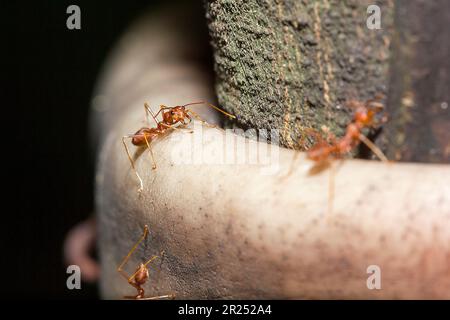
(290, 64)
(419, 124)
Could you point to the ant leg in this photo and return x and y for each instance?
(318, 137)
(212, 106)
(161, 108)
(130, 279)
(373, 148)
(331, 189)
(150, 260)
(196, 116)
(147, 111)
(176, 128)
(141, 184)
(301, 143)
(292, 166)
(151, 152)
(127, 257)
(139, 289)
(167, 296)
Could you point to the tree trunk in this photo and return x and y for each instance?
(291, 65)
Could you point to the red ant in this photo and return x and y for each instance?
(140, 276)
(170, 117)
(364, 117)
(323, 150)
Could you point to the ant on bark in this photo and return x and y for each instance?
(323, 150)
(170, 117)
(140, 276)
(364, 117)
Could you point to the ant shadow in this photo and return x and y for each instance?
(138, 152)
(315, 169)
(333, 164)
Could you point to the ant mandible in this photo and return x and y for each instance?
(140, 276)
(170, 117)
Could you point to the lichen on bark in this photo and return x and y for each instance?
(291, 65)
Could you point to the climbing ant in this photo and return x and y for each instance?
(170, 117)
(364, 117)
(140, 276)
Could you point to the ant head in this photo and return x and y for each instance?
(361, 115)
(178, 113)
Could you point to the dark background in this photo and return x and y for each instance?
(49, 73)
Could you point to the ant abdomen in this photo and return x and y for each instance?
(143, 134)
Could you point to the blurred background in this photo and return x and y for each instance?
(49, 75)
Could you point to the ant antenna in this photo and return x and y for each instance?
(212, 106)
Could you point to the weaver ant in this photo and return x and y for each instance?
(140, 276)
(364, 117)
(170, 117)
(322, 151)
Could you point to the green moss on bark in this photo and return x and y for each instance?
(290, 64)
